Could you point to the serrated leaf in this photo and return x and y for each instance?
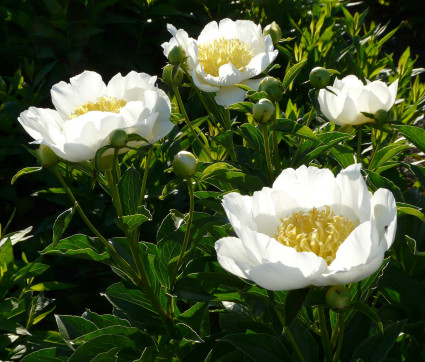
(25, 171)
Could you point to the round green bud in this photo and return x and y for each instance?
(47, 157)
(104, 163)
(172, 75)
(176, 55)
(275, 32)
(338, 298)
(381, 116)
(118, 138)
(319, 77)
(184, 164)
(272, 87)
(263, 111)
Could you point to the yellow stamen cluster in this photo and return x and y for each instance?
(318, 231)
(214, 54)
(103, 104)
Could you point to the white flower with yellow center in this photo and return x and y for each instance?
(351, 97)
(225, 54)
(88, 110)
(310, 228)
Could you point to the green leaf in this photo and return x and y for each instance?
(292, 127)
(62, 223)
(293, 304)
(376, 348)
(385, 154)
(253, 136)
(41, 287)
(245, 107)
(72, 327)
(403, 208)
(25, 171)
(6, 254)
(259, 346)
(101, 344)
(370, 312)
(105, 320)
(419, 173)
(129, 223)
(114, 330)
(291, 74)
(79, 246)
(414, 134)
(129, 188)
(376, 181)
(343, 154)
(44, 355)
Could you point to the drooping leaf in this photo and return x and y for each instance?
(25, 171)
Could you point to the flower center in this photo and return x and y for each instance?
(214, 54)
(102, 104)
(318, 231)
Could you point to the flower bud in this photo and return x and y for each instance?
(184, 164)
(274, 30)
(381, 116)
(104, 163)
(176, 55)
(118, 138)
(319, 77)
(47, 157)
(172, 75)
(263, 111)
(272, 87)
(338, 298)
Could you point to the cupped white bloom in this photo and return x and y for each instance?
(310, 228)
(88, 110)
(225, 54)
(350, 97)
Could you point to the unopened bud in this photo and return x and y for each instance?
(272, 87)
(118, 138)
(381, 116)
(319, 77)
(263, 111)
(184, 164)
(176, 55)
(338, 298)
(274, 30)
(47, 157)
(172, 75)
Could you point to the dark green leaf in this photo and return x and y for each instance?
(291, 74)
(385, 154)
(293, 304)
(71, 327)
(44, 355)
(41, 287)
(403, 208)
(414, 134)
(128, 223)
(129, 188)
(292, 127)
(259, 346)
(370, 312)
(376, 181)
(62, 223)
(245, 107)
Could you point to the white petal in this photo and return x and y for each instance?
(232, 256)
(238, 210)
(198, 77)
(264, 211)
(355, 197)
(324, 105)
(379, 95)
(384, 213)
(229, 95)
(349, 112)
(393, 94)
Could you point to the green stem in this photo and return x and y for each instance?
(189, 124)
(145, 176)
(114, 192)
(275, 142)
(121, 263)
(378, 146)
(288, 333)
(324, 334)
(340, 324)
(265, 130)
(309, 119)
(359, 144)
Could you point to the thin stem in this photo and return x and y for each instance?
(145, 176)
(265, 130)
(340, 324)
(378, 146)
(121, 263)
(359, 144)
(189, 124)
(114, 192)
(324, 334)
(297, 152)
(275, 142)
(287, 332)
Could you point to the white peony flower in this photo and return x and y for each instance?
(88, 110)
(225, 54)
(310, 228)
(353, 97)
